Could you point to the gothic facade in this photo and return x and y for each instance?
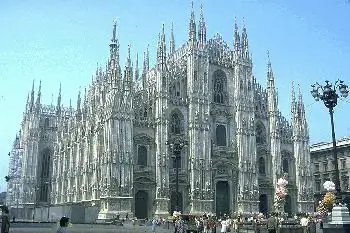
(112, 153)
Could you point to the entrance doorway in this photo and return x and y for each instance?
(263, 204)
(222, 201)
(141, 204)
(173, 201)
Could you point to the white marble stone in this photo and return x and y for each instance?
(117, 139)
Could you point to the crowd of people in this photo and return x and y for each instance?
(206, 223)
(257, 222)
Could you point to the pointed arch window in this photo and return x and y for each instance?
(262, 166)
(285, 166)
(260, 131)
(142, 155)
(177, 122)
(47, 122)
(178, 89)
(221, 135)
(164, 82)
(219, 87)
(175, 160)
(45, 174)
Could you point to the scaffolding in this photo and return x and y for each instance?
(14, 180)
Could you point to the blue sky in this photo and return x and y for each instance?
(62, 42)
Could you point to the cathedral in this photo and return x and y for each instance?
(194, 133)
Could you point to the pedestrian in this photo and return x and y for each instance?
(224, 225)
(5, 222)
(271, 224)
(154, 225)
(64, 222)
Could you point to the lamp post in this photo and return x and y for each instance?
(176, 145)
(328, 94)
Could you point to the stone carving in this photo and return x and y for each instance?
(162, 192)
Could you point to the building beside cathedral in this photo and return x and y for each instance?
(324, 165)
(110, 153)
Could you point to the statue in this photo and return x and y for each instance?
(164, 182)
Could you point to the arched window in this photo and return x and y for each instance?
(175, 160)
(285, 166)
(178, 89)
(164, 82)
(47, 122)
(142, 155)
(45, 163)
(220, 135)
(176, 122)
(260, 133)
(45, 175)
(261, 166)
(195, 80)
(219, 88)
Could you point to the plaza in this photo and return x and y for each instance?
(83, 228)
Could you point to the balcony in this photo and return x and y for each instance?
(142, 168)
(181, 171)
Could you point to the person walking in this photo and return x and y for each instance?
(224, 226)
(5, 222)
(64, 222)
(154, 225)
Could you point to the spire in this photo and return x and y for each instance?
(39, 94)
(192, 27)
(58, 107)
(27, 99)
(301, 102)
(244, 44)
(128, 69)
(114, 35)
(32, 96)
(270, 78)
(202, 29)
(128, 60)
(292, 100)
(271, 90)
(137, 67)
(237, 40)
(147, 58)
(172, 39)
(114, 49)
(161, 51)
(79, 102)
(85, 98)
(27, 104)
(145, 67)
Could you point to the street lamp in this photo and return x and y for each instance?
(328, 94)
(176, 145)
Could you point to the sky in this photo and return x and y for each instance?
(62, 41)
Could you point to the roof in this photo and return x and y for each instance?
(323, 146)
